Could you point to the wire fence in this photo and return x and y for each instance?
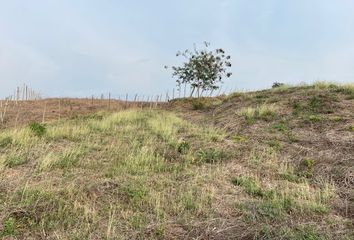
(27, 105)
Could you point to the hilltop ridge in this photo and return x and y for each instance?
(272, 164)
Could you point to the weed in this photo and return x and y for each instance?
(183, 147)
(308, 162)
(337, 119)
(281, 127)
(315, 104)
(290, 177)
(297, 108)
(211, 155)
(239, 138)
(275, 144)
(306, 232)
(69, 158)
(198, 105)
(251, 186)
(234, 95)
(15, 160)
(160, 231)
(4, 142)
(135, 193)
(8, 227)
(293, 233)
(325, 85)
(189, 203)
(313, 118)
(37, 129)
(307, 167)
(264, 112)
(347, 89)
(138, 221)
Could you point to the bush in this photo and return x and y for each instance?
(37, 129)
(277, 84)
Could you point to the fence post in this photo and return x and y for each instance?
(44, 110)
(126, 100)
(59, 108)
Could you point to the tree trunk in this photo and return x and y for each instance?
(192, 92)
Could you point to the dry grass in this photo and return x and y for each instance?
(265, 112)
(151, 174)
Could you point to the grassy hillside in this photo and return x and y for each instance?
(275, 164)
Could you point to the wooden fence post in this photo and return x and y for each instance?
(59, 109)
(126, 100)
(44, 110)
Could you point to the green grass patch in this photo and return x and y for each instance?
(239, 138)
(37, 129)
(251, 186)
(16, 159)
(263, 112)
(275, 144)
(8, 227)
(211, 155)
(6, 141)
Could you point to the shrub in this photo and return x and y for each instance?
(37, 129)
(277, 84)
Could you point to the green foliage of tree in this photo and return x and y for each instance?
(203, 69)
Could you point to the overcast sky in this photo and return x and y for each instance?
(84, 47)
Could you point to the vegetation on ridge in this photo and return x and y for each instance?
(246, 166)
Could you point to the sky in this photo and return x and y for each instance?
(76, 48)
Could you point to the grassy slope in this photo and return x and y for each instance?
(256, 168)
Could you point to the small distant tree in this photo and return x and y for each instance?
(277, 84)
(203, 69)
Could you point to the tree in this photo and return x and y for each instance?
(203, 69)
